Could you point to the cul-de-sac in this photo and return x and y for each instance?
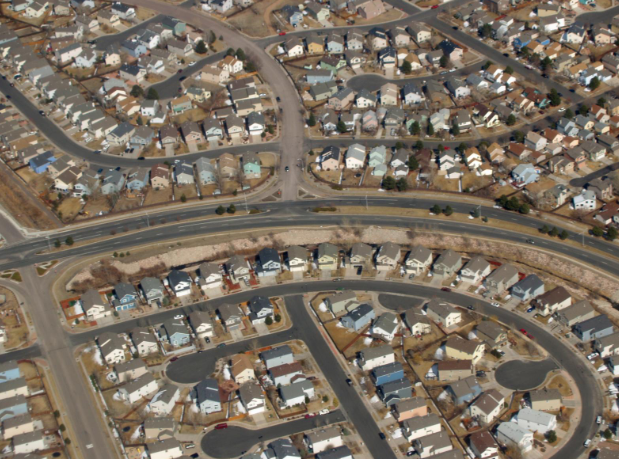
(309, 229)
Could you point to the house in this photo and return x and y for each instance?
(523, 174)
(341, 99)
(277, 356)
(133, 391)
(284, 375)
(483, 445)
(443, 313)
(159, 176)
(206, 396)
(579, 311)
(394, 391)
(315, 45)
(327, 257)
(501, 279)
(387, 373)
(433, 445)
(536, 421)
(201, 324)
(29, 442)
(230, 315)
(602, 187)
(475, 270)
(355, 156)
(164, 401)
(252, 397)
(418, 323)
(387, 257)
(242, 369)
(447, 264)
(144, 341)
(409, 408)
(487, 407)
(176, 332)
(386, 326)
(513, 435)
(464, 390)
(93, 305)
(112, 182)
(165, 449)
(212, 130)
(528, 288)
(342, 301)
(17, 425)
(607, 345)
(127, 371)
(550, 302)
(359, 317)
(282, 449)
(418, 260)
(260, 308)
(183, 173)
(237, 268)
(376, 356)
(13, 406)
(421, 426)
(594, 328)
(296, 258)
(491, 333)
(545, 399)
(206, 171)
(179, 282)
(159, 427)
(268, 262)
(453, 370)
(460, 349)
(41, 162)
(292, 14)
(323, 439)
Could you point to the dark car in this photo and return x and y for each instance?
(174, 359)
(382, 436)
(180, 70)
(446, 289)
(96, 152)
(349, 381)
(41, 112)
(472, 308)
(545, 75)
(183, 78)
(221, 345)
(287, 169)
(278, 99)
(223, 425)
(141, 158)
(505, 54)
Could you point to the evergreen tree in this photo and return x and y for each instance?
(152, 94)
(201, 47)
(415, 128)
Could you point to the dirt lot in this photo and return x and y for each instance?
(95, 205)
(189, 191)
(158, 196)
(69, 208)
(195, 114)
(12, 318)
(22, 205)
(39, 182)
(559, 382)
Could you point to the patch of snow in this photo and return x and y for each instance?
(472, 335)
(117, 397)
(97, 357)
(397, 433)
(367, 340)
(188, 398)
(322, 307)
(194, 408)
(388, 415)
(136, 434)
(439, 354)
(443, 395)
(227, 374)
(374, 399)
(111, 377)
(240, 408)
(340, 325)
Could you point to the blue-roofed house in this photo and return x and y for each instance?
(113, 182)
(528, 288)
(387, 373)
(464, 390)
(206, 396)
(524, 174)
(359, 317)
(395, 391)
(176, 332)
(40, 162)
(206, 171)
(137, 179)
(126, 296)
(13, 406)
(9, 371)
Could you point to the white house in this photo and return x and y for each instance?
(511, 434)
(420, 426)
(165, 449)
(376, 356)
(141, 387)
(328, 438)
(28, 442)
(536, 421)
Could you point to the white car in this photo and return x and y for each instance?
(495, 304)
(562, 109)
(325, 411)
(179, 316)
(191, 64)
(587, 443)
(593, 356)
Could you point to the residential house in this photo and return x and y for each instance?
(242, 369)
(579, 311)
(465, 390)
(418, 260)
(550, 302)
(513, 435)
(359, 317)
(144, 341)
(453, 370)
(327, 257)
(135, 390)
(394, 391)
(501, 279)
(179, 282)
(447, 264)
(491, 333)
(175, 331)
(536, 421)
(252, 397)
(373, 357)
(206, 396)
(475, 270)
(230, 315)
(418, 323)
(545, 399)
(421, 426)
(409, 408)
(487, 407)
(461, 349)
(594, 328)
(528, 288)
(443, 313)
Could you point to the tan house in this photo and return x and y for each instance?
(160, 176)
(487, 407)
(409, 408)
(443, 313)
(228, 165)
(461, 349)
(242, 369)
(545, 399)
(454, 370)
(491, 333)
(214, 75)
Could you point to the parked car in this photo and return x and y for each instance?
(587, 443)
(382, 436)
(523, 331)
(593, 356)
(349, 381)
(221, 345)
(223, 425)
(174, 359)
(434, 7)
(446, 289)
(179, 316)
(531, 309)
(598, 420)
(495, 304)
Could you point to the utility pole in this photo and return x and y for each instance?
(366, 202)
(49, 244)
(245, 196)
(147, 220)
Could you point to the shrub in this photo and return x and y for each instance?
(220, 210)
(597, 231)
(268, 320)
(448, 211)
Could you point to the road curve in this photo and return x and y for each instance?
(196, 366)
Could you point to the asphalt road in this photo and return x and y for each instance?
(523, 375)
(234, 441)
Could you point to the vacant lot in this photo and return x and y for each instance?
(12, 318)
(69, 208)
